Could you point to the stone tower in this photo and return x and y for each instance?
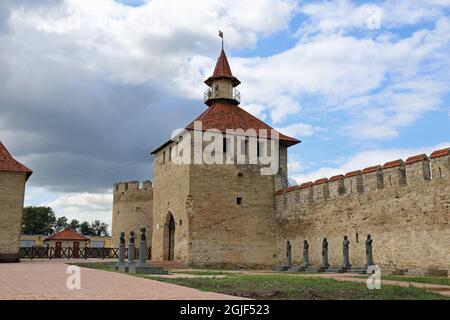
(13, 176)
(214, 205)
(132, 209)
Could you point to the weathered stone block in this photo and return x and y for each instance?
(440, 164)
(372, 178)
(394, 174)
(336, 186)
(418, 169)
(320, 190)
(353, 182)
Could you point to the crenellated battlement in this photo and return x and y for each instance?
(418, 169)
(132, 208)
(400, 203)
(132, 187)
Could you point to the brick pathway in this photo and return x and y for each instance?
(46, 280)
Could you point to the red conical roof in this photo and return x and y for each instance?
(222, 70)
(67, 234)
(9, 164)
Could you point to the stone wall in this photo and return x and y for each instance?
(12, 190)
(132, 210)
(171, 197)
(405, 206)
(232, 220)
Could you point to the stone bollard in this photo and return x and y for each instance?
(142, 266)
(121, 258)
(288, 254)
(131, 250)
(325, 264)
(305, 254)
(143, 249)
(346, 254)
(369, 256)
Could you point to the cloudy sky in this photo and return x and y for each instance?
(90, 87)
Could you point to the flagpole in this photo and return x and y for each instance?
(221, 35)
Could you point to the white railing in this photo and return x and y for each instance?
(208, 95)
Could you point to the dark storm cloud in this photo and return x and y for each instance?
(73, 125)
(63, 120)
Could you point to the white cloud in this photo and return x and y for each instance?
(377, 85)
(344, 16)
(83, 206)
(298, 130)
(157, 41)
(173, 44)
(362, 160)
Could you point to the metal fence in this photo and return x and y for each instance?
(75, 253)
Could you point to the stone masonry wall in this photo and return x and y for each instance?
(12, 190)
(405, 206)
(132, 210)
(227, 232)
(171, 195)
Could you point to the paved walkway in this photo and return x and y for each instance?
(46, 280)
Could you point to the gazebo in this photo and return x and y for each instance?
(67, 238)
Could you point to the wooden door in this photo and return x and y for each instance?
(76, 249)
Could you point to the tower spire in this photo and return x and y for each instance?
(222, 83)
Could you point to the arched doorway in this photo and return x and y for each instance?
(169, 237)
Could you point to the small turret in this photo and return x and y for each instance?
(222, 83)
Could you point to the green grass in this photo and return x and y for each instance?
(302, 288)
(421, 279)
(109, 266)
(202, 272)
(290, 286)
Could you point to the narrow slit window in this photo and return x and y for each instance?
(225, 145)
(258, 149)
(238, 200)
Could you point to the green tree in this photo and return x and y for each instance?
(86, 229)
(99, 228)
(61, 224)
(74, 225)
(38, 220)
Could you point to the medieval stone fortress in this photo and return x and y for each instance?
(230, 214)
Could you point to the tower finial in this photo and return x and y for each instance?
(221, 35)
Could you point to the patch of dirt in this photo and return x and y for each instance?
(259, 295)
